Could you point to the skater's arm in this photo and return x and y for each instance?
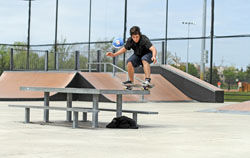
(154, 52)
(121, 51)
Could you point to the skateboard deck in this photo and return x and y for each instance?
(131, 86)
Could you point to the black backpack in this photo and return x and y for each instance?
(122, 122)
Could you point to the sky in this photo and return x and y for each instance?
(231, 18)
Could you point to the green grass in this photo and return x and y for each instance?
(236, 96)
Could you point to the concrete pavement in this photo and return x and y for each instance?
(179, 131)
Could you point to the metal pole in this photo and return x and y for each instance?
(114, 63)
(188, 23)
(46, 61)
(118, 105)
(46, 104)
(11, 59)
(95, 112)
(212, 41)
(99, 61)
(28, 44)
(166, 36)
(163, 53)
(77, 60)
(125, 29)
(187, 49)
(69, 105)
(56, 54)
(90, 6)
(203, 41)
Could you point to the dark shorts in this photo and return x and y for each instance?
(137, 61)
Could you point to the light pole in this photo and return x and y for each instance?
(125, 29)
(166, 36)
(188, 23)
(211, 42)
(56, 53)
(28, 38)
(90, 11)
(203, 41)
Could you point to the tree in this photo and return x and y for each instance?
(176, 59)
(66, 56)
(248, 73)
(20, 56)
(215, 76)
(192, 70)
(104, 48)
(230, 76)
(4, 59)
(241, 76)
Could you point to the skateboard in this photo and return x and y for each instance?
(131, 86)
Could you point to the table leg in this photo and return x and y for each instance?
(75, 122)
(84, 116)
(27, 115)
(118, 105)
(95, 110)
(46, 103)
(69, 105)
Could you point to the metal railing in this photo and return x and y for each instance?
(114, 67)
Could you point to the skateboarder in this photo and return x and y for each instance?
(144, 54)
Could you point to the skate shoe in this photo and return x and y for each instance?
(146, 83)
(127, 83)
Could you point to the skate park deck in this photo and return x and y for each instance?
(171, 85)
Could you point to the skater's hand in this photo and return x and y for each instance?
(110, 54)
(154, 59)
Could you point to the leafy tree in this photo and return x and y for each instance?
(192, 70)
(66, 56)
(215, 76)
(20, 56)
(248, 73)
(241, 76)
(36, 59)
(230, 75)
(176, 60)
(104, 47)
(4, 59)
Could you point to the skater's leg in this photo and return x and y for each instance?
(132, 62)
(131, 71)
(146, 68)
(146, 61)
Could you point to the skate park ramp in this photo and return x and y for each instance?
(163, 91)
(191, 86)
(236, 108)
(10, 82)
(171, 85)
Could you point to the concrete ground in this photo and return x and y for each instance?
(179, 131)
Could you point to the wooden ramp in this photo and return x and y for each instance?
(163, 91)
(11, 81)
